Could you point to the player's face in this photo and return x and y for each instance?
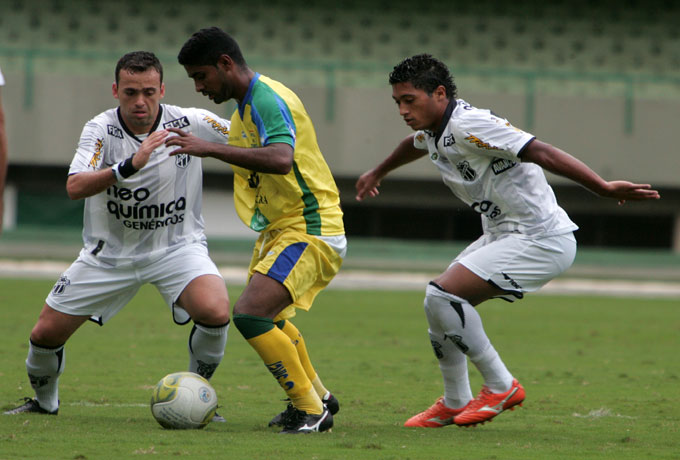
(419, 109)
(212, 81)
(139, 95)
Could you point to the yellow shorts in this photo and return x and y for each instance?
(303, 263)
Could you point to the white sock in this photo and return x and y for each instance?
(44, 366)
(463, 326)
(496, 376)
(453, 366)
(206, 348)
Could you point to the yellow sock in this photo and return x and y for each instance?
(288, 328)
(281, 358)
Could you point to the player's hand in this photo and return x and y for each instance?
(624, 190)
(367, 185)
(151, 143)
(187, 143)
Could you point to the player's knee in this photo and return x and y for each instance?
(45, 337)
(213, 313)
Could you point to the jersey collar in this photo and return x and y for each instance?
(133, 135)
(445, 120)
(249, 95)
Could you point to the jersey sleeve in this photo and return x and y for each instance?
(273, 119)
(209, 126)
(420, 140)
(89, 154)
(483, 133)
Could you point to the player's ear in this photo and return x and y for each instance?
(114, 90)
(225, 61)
(162, 89)
(440, 92)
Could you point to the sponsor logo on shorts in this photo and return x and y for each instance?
(178, 123)
(60, 286)
(512, 282)
(114, 131)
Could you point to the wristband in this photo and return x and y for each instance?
(125, 168)
(116, 174)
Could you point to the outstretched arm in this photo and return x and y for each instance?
(276, 158)
(369, 181)
(561, 163)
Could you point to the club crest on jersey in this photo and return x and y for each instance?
(182, 160)
(178, 123)
(500, 165)
(466, 171)
(114, 131)
(449, 140)
(60, 286)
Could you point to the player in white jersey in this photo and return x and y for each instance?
(3, 153)
(497, 170)
(142, 224)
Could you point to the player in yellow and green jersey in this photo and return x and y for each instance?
(283, 189)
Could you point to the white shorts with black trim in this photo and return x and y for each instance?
(101, 292)
(518, 263)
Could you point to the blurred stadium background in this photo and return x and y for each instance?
(600, 79)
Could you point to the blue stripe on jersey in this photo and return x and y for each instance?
(286, 261)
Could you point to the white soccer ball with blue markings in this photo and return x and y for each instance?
(183, 400)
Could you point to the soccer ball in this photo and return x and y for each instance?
(183, 400)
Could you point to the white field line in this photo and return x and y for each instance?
(366, 279)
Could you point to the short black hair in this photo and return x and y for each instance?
(424, 72)
(139, 61)
(207, 45)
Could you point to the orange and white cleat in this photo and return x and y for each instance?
(437, 416)
(487, 405)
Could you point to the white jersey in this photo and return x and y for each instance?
(157, 209)
(478, 156)
(2, 79)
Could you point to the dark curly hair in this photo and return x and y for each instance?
(424, 72)
(138, 61)
(207, 45)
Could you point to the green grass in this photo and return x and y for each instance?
(601, 375)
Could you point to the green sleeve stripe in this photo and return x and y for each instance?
(310, 211)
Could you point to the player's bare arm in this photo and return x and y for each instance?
(89, 183)
(405, 153)
(559, 162)
(274, 158)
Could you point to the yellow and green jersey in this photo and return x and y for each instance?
(306, 199)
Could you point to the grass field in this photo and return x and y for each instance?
(601, 375)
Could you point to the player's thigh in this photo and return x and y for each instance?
(516, 264)
(96, 292)
(301, 263)
(263, 296)
(175, 272)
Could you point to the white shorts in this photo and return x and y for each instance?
(85, 289)
(517, 263)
